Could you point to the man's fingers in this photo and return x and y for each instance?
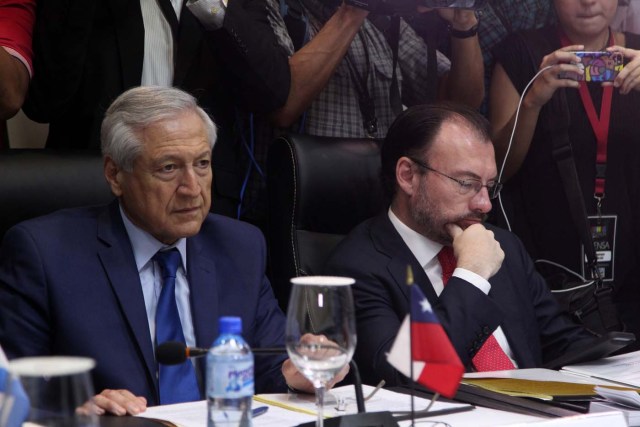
(454, 230)
(338, 377)
(89, 408)
(120, 402)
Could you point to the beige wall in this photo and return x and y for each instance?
(25, 133)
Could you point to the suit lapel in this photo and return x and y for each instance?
(514, 329)
(387, 241)
(203, 290)
(117, 259)
(130, 35)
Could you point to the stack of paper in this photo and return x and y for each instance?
(626, 402)
(622, 369)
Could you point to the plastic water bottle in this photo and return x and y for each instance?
(229, 377)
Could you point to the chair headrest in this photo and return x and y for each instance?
(37, 182)
(334, 182)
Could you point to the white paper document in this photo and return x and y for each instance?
(622, 369)
(194, 414)
(341, 401)
(293, 409)
(538, 374)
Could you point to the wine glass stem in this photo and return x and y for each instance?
(320, 405)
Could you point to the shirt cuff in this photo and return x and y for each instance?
(471, 277)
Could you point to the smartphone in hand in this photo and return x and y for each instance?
(598, 66)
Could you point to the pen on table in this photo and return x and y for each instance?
(259, 411)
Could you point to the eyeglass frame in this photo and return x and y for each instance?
(465, 185)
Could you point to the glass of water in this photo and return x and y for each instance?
(57, 388)
(321, 331)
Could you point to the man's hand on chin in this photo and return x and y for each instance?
(476, 249)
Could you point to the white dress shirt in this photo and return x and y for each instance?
(426, 252)
(158, 62)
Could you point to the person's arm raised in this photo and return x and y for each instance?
(14, 81)
(464, 83)
(503, 103)
(313, 65)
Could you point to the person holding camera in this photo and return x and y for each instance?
(363, 78)
(343, 84)
(563, 118)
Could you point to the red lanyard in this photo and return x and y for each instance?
(600, 125)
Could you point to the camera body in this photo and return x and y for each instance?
(597, 66)
(388, 7)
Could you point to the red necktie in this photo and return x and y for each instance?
(490, 357)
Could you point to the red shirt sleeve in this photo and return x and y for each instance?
(16, 29)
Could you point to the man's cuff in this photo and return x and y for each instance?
(471, 277)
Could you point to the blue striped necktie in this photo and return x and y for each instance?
(177, 383)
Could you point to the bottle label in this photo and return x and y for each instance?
(232, 380)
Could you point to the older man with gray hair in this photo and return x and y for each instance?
(91, 281)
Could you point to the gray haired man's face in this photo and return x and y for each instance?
(168, 193)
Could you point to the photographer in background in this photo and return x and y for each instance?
(600, 123)
(342, 75)
(354, 74)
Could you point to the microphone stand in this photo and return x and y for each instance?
(361, 419)
(357, 384)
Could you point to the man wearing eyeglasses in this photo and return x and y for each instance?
(439, 171)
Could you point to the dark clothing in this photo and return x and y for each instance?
(69, 285)
(519, 301)
(538, 209)
(88, 52)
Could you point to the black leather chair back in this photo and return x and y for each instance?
(319, 188)
(39, 181)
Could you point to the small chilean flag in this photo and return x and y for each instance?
(436, 364)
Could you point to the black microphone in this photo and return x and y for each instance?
(176, 352)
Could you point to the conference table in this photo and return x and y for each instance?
(477, 406)
(113, 421)
(485, 409)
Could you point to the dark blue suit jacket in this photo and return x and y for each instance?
(519, 301)
(69, 286)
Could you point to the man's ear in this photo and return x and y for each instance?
(113, 174)
(406, 176)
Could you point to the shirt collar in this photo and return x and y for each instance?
(145, 246)
(423, 249)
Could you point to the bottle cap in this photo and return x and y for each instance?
(230, 325)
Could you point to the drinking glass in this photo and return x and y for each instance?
(57, 387)
(321, 331)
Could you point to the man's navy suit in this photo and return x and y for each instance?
(519, 301)
(69, 286)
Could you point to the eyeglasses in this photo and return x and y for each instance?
(465, 186)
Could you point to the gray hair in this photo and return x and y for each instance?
(139, 108)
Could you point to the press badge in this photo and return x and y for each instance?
(603, 233)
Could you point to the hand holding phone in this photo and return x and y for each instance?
(598, 66)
